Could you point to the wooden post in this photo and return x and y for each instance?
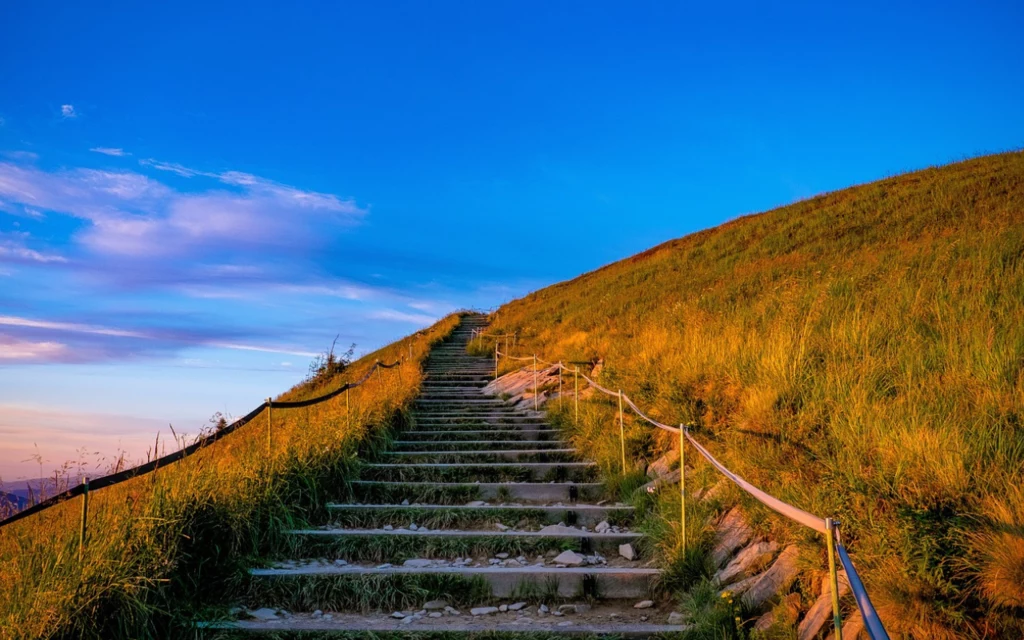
(535, 382)
(376, 365)
(270, 410)
(84, 533)
(682, 482)
(576, 393)
(622, 435)
(561, 400)
(495, 359)
(833, 576)
(348, 406)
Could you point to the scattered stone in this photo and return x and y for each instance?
(386, 565)
(733, 533)
(747, 561)
(777, 579)
(517, 606)
(407, 620)
(398, 614)
(644, 604)
(644, 618)
(543, 608)
(413, 527)
(663, 465)
(601, 503)
(340, 563)
(570, 558)
(567, 623)
(627, 551)
(424, 529)
(559, 529)
(511, 563)
(264, 613)
(789, 607)
(418, 563)
(676, 618)
(405, 503)
(483, 611)
(476, 503)
(494, 561)
(557, 613)
(436, 614)
(500, 527)
(452, 611)
(821, 611)
(328, 616)
(503, 608)
(502, 556)
(435, 605)
(602, 527)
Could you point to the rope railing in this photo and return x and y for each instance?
(826, 526)
(123, 476)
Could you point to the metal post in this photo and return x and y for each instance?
(376, 366)
(682, 482)
(410, 350)
(270, 410)
(83, 534)
(622, 435)
(535, 382)
(495, 359)
(830, 526)
(561, 400)
(576, 393)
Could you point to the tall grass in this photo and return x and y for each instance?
(173, 546)
(859, 354)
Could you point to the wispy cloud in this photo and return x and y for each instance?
(401, 316)
(13, 249)
(14, 321)
(68, 111)
(110, 151)
(22, 155)
(12, 349)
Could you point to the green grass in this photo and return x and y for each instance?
(167, 547)
(379, 592)
(859, 354)
(397, 549)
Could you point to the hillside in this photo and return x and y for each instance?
(859, 354)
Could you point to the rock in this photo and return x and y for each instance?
(264, 613)
(567, 623)
(452, 611)
(543, 608)
(557, 613)
(436, 614)
(340, 563)
(398, 614)
(328, 616)
(388, 527)
(511, 563)
(418, 563)
(502, 556)
(503, 608)
(559, 529)
(318, 614)
(570, 558)
(644, 604)
(405, 503)
(676, 618)
(483, 611)
(435, 605)
(663, 465)
(517, 606)
(386, 565)
(500, 527)
(407, 620)
(602, 527)
(853, 628)
(747, 562)
(821, 611)
(476, 503)
(787, 611)
(627, 551)
(776, 580)
(413, 527)
(733, 533)
(671, 478)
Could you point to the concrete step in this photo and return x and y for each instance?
(477, 513)
(399, 544)
(525, 625)
(475, 445)
(332, 581)
(509, 434)
(458, 493)
(482, 471)
(493, 455)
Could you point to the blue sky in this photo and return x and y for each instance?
(195, 199)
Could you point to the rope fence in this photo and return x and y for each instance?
(110, 480)
(826, 526)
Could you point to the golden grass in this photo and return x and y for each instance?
(859, 354)
(166, 546)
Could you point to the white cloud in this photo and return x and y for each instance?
(110, 151)
(400, 316)
(68, 111)
(12, 247)
(15, 321)
(23, 350)
(263, 349)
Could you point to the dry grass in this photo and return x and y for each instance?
(167, 546)
(859, 354)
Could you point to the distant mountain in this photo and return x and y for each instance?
(11, 502)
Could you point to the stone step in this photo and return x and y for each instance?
(466, 515)
(475, 445)
(399, 544)
(325, 586)
(455, 417)
(467, 456)
(497, 626)
(457, 493)
(468, 434)
(482, 471)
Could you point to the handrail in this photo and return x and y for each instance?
(828, 527)
(153, 465)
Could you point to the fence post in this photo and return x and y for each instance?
(830, 527)
(535, 382)
(410, 350)
(576, 393)
(348, 406)
(376, 366)
(561, 400)
(495, 359)
(622, 435)
(270, 410)
(682, 481)
(84, 533)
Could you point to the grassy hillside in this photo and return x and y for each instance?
(859, 354)
(167, 546)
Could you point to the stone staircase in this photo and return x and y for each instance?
(479, 519)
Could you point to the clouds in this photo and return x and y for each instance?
(401, 316)
(110, 151)
(130, 215)
(67, 111)
(13, 249)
